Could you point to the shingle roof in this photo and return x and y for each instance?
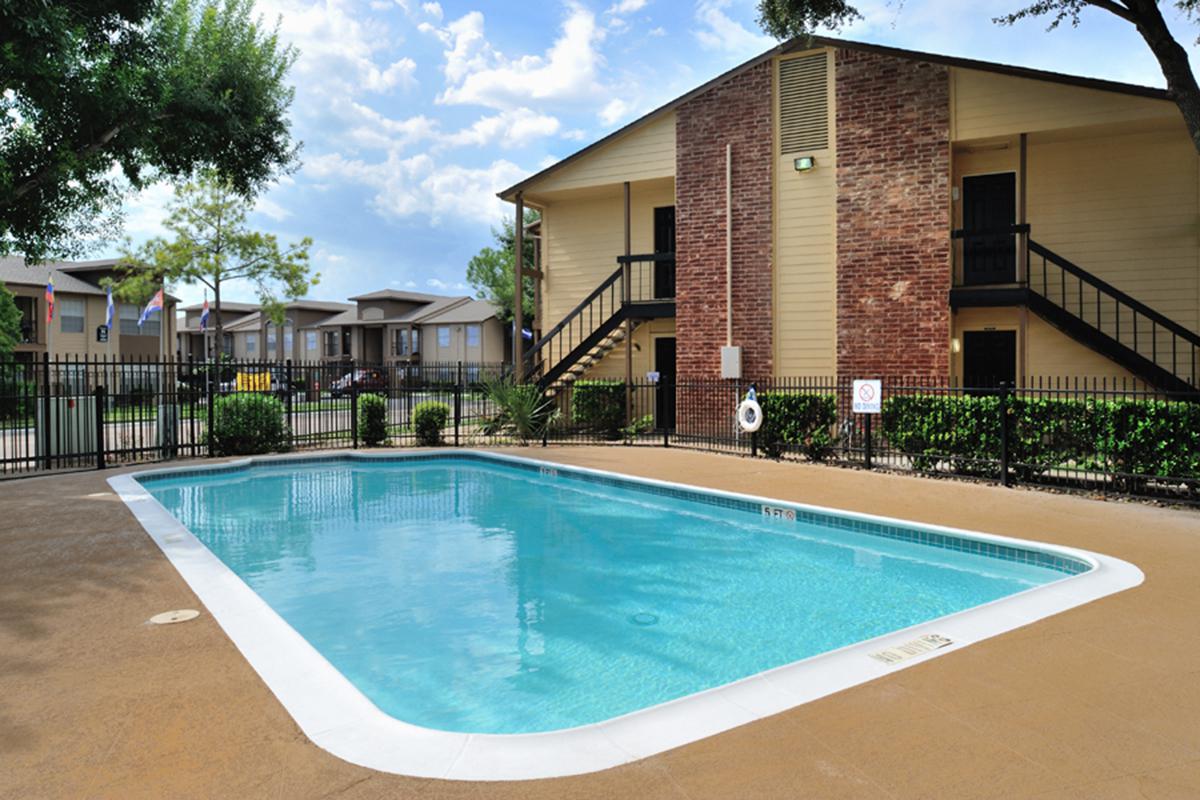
(811, 42)
(395, 294)
(14, 271)
(471, 311)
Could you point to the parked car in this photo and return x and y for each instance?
(360, 380)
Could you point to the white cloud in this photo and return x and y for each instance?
(627, 6)
(271, 209)
(719, 31)
(419, 185)
(432, 9)
(512, 128)
(615, 109)
(478, 74)
(436, 283)
(339, 47)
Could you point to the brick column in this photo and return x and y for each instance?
(893, 216)
(736, 112)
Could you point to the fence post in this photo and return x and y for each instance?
(661, 402)
(211, 380)
(287, 399)
(46, 391)
(99, 427)
(867, 433)
(458, 387)
(1004, 390)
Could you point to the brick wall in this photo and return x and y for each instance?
(737, 112)
(893, 218)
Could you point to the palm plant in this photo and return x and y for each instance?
(522, 409)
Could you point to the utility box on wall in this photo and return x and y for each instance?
(731, 362)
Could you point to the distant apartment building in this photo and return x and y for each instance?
(78, 328)
(384, 327)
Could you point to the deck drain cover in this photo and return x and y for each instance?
(644, 618)
(170, 617)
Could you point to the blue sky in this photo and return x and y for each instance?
(413, 114)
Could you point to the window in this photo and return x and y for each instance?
(401, 344)
(310, 341)
(472, 336)
(251, 344)
(129, 314)
(331, 343)
(71, 311)
(443, 335)
(29, 317)
(227, 344)
(803, 104)
(288, 338)
(272, 340)
(416, 341)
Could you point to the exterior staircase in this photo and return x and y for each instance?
(1092, 311)
(594, 328)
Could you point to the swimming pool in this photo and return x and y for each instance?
(483, 601)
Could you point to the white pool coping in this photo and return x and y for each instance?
(335, 715)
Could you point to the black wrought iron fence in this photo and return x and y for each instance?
(1103, 436)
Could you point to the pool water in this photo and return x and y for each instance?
(473, 595)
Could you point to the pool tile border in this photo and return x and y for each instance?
(339, 718)
(909, 533)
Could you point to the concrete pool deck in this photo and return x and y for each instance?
(1100, 701)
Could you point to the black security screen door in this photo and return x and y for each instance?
(989, 359)
(989, 204)
(664, 364)
(664, 242)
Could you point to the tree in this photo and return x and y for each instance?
(492, 270)
(785, 19)
(103, 97)
(213, 246)
(10, 322)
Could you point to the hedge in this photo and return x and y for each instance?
(599, 406)
(1143, 438)
(372, 419)
(247, 424)
(802, 421)
(428, 419)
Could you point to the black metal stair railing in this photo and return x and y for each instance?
(1144, 340)
(578, 331)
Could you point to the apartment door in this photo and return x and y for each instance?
(989, 204)
(664, 242)
(664, 365)
(989, 359)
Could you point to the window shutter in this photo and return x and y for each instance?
(803, 104)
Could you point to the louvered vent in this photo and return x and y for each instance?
(803, 104)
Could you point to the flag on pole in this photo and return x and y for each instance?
(204, 316)
(155, 304)
(50, 301)
(108, 313)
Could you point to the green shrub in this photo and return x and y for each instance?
(803, 421)
(18, 396)
(1154, 437)
(246, 424)
(372, 420)
(599, 406)
(428, 419)
(1141, 438)
(930, 429)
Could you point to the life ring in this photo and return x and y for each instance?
(749, 415)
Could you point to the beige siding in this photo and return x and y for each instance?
(613, 365)
(582, 238)
(1049, 354)
(1124, 208)
(490, 349)
(987, 104)
(806, 260)
(642, 154)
